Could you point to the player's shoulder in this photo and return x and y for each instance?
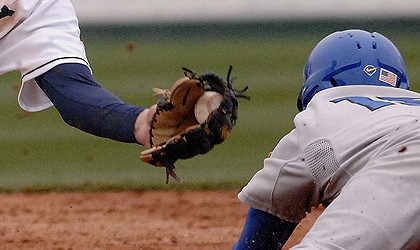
(364, 91)
(368, 98)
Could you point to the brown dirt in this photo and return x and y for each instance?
(125, 220)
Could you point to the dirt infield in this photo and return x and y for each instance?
(141, 220)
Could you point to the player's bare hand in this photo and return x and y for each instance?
(142, 126)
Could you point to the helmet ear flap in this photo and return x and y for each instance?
(312, 85)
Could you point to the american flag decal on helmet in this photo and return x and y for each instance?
(388, 77)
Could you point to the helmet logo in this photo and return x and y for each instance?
(370, 70)
(388, 77)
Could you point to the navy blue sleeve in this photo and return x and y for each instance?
(84, 104)
(264, 231)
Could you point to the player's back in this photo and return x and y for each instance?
(357, 121)
(352, 115)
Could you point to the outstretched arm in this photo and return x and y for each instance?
(264, 231)
(85, 105)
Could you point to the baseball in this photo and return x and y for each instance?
(206, 104)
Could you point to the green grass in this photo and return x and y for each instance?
(39, 152)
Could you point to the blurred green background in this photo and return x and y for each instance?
(39, 152)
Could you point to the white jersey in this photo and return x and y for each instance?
(356, 148)
(35, 36)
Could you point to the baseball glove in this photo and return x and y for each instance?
(175, 132)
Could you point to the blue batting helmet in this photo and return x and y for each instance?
(352, 57)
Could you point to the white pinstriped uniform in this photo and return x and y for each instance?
(35, 36)
(356, 148)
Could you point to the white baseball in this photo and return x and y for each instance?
(208, 102)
